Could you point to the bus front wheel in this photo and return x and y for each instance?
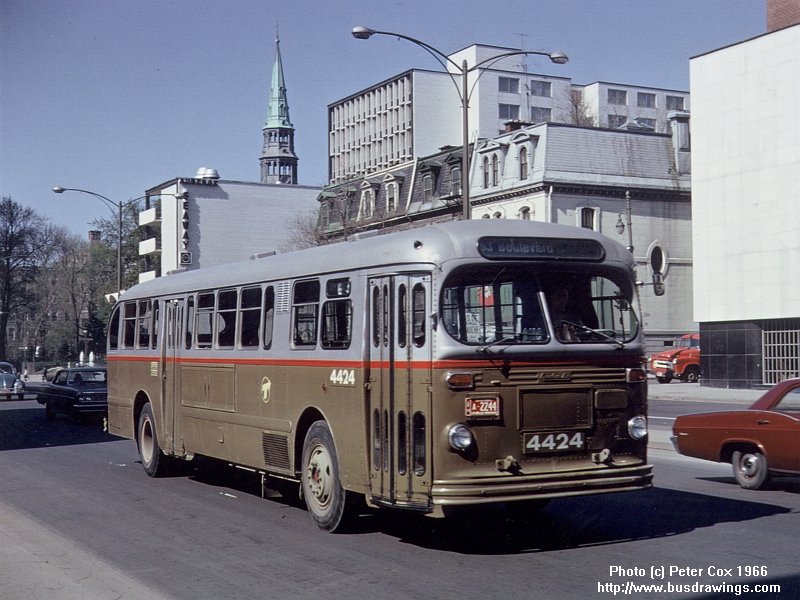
(322, 491)
(155, 463)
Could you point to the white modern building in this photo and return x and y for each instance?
(417, 112)
(746, 191)
(200, 221)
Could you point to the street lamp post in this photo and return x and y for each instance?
(464, 93)
(116, 209)
(620, 227)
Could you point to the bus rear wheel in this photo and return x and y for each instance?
(155, 463)
(323, 493)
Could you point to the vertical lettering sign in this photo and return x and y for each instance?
(504, 248)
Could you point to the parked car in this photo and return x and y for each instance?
(681, 361)
(10, 383)
(760, 441)
(75, 392)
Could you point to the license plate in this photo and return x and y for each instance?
(482, 408)
(562, 441)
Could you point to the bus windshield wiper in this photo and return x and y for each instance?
(605, 336)
(505, 340)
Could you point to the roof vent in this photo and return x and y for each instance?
(206, 173)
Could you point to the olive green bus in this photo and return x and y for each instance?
(448, 366)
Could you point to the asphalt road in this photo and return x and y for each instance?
(79, 519)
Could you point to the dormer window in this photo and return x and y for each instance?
(391, 197)
(495, 169)
(427, 188)
(486, 172)
(523, 163)
(367, 208)
(455, 181)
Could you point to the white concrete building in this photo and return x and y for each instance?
(201, 221)
(746, 190)
(417, 112)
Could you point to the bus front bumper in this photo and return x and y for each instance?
(513, 488)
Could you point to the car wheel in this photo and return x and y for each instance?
(154, 461)
(750, 469)
(663, 379)
(691, 375)
(322, 491)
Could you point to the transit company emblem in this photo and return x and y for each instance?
(266, 389)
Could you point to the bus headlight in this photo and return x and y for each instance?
(637, 427)
(460, 437)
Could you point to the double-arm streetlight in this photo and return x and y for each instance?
(464, 92)
(116, 208)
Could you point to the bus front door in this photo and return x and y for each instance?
(399, 397)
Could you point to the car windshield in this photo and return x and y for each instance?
(507, 305)
(6, 368)
(88, 377)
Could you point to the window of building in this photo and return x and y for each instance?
(485, 172)
(651, 123)
(495, 169)
(675, 103)
(508, 84)
(367, 203)
(508, 111)
(617, 121)
(427, 188)
(455, 181)
(617, 96)
(497, 215)
(525, 213)
(523, 163)
(645, 100)
(391, 197)
(541, 115)
(587, 217)
(541, 88)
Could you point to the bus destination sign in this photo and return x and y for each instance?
(500, 248)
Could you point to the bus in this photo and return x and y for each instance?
(454, 365)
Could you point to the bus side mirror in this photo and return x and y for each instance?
(658, 284)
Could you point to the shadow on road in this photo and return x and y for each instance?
(23, 425)
(576, 522)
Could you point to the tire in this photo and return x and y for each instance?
(323, 494)
(663, 379)
(155, 463)
(750, 469)
(691, 374)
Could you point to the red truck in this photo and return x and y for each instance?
(682, 361)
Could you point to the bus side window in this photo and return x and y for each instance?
(250, 315)
(269, 315)
(204, 320)
(189, 322)
(418, 315)
(306, 306)
(129, 325)
(226, 318)
(156, 323)
(113, 330)
(143, 324)
(337, 324)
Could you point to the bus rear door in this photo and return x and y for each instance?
(399, 396)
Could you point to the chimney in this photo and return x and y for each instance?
(681, 141)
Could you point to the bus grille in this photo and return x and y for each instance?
(276, 450)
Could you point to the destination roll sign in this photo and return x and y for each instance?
(503, 248)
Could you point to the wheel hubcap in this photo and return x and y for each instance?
(749, 465)
(318, 476)
(147, 442)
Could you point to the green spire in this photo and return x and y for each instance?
(278, 111)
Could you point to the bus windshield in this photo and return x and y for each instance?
(522, 305)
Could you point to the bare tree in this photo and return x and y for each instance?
(27, 245)
(303, 232)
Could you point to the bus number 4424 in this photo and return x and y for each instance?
(343, 377)
(554, 442)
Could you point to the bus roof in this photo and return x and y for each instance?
(432, 244)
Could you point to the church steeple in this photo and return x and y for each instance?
(278, 160)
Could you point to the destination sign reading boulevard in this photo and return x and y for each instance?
(499, 248)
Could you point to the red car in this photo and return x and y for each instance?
(760, 441)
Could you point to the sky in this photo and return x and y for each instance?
(118, 96)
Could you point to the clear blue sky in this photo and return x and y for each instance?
(116, 96)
